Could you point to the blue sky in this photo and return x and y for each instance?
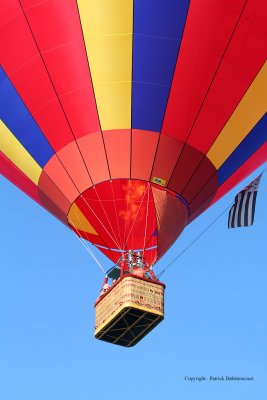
(215, 325)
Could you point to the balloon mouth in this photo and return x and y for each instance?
(129, 214)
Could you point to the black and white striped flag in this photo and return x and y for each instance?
(242, 212)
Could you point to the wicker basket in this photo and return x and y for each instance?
(129, 310)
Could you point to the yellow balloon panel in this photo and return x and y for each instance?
(114, 105)
(106, 17)
(16, 153)
(111, 59)
(78, 221)
(107, 28)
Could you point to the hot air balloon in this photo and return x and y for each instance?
(127, 119)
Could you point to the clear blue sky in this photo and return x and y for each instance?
(216, 313)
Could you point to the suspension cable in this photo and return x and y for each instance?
(194, 241)
(199, 236)
(116, 243)
(126, 219)
(116, 212)
(135, 217)
(103, 208)
(146, 221)
(86, 246)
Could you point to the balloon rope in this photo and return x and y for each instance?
(117, 242)
(147, 205)
(118, 246)
(199, 236)
(87, 248)
(135, 217)
(126, 218)
(195, 240)
(116, 212)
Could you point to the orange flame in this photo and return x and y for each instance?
(134, 194)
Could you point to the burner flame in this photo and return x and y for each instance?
(134, 195)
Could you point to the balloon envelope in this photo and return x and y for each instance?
(127, 119)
